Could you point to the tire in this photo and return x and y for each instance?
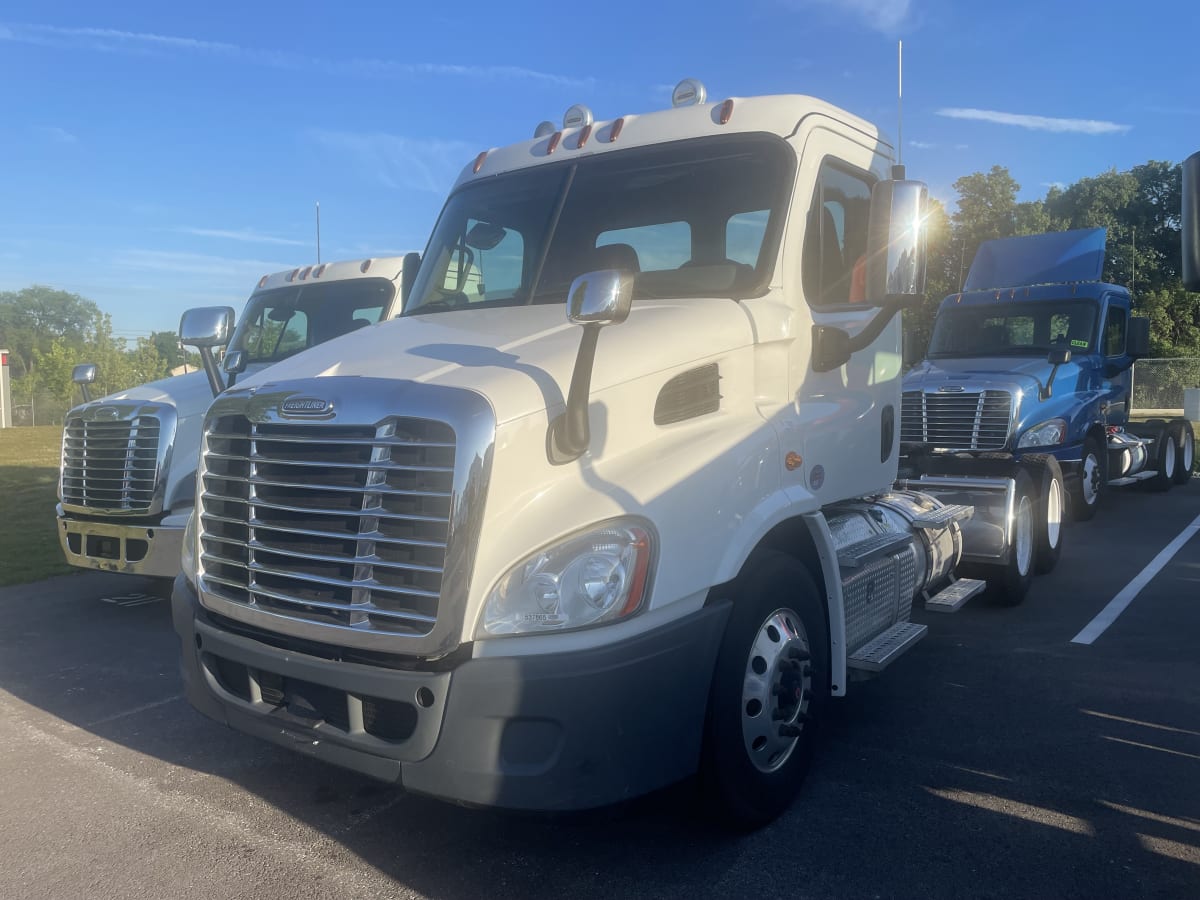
(1017, 573)
(1089, 488)
(1185, 439)
(772, 673)
(1048, 521)
(1166, 461)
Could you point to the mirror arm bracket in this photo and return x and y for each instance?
(570, 433)
(833, 347)
(210, 369)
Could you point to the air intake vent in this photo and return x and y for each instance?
(694, 393)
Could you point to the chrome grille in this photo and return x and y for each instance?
(978, 420)
(111, 465)
(338, 525)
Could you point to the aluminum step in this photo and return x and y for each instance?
(1133, 479)
(879, 653)
(858, 554)
(952, 597)
(944, 516)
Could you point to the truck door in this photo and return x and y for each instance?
(1117, 373)
(846, 420)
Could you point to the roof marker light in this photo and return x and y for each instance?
(615, 131)
(479, 162)
(292, 274)
(304, 274)
(726, 112)
(544, 129)
(320, 270)
(578, 116)
(366, 264)
(553, 145)
(584, 134)
(262, 281)
(689, 92)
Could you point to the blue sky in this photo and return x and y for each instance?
(158, 156)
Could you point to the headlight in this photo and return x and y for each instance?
(187, 557)
(1048, 434)
(593, 577)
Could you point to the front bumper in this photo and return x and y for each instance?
(549, 732)
(110, 546)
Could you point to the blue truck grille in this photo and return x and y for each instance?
(978, 420)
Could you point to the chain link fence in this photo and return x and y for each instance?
(1158, 384)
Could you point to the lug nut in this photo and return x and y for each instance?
(790, 731)
(799, 654)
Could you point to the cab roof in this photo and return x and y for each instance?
(778, 114)
(388, 267)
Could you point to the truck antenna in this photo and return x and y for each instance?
(900, 103)
(318, 232)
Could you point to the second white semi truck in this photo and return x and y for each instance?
(127, 481)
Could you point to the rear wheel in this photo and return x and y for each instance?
(1185, 442)
(768, 691)
(1165, 460)
(1048, 518)
(1088, 489)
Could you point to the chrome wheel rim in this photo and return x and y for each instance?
(776, 690)
(1054, 513)
(1187, 449)
(1024, 536)
(1168, 458)
(1091, 479)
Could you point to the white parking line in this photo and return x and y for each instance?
(1118, 604)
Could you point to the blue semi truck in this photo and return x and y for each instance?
(1029, 374)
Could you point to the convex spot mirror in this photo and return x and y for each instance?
(84, 373)
(206, 326)
(234, 362)
(603, 297)
(897, 237)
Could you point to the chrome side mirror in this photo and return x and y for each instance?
(83, 375)
(603, 297)
(896, 240)
(204, 328)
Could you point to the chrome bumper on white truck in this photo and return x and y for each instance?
(129, 549)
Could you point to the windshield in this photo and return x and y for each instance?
(1014, 329)
(282, 322)
(696, 218)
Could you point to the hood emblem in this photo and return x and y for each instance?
(305, 406)
(951, 389)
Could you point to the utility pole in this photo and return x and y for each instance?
(318, 232)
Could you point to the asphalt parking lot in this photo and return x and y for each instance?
(997, 759)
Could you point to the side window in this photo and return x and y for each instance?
(667, 245)
(1114, 333)
(744, 235)
(835, 239)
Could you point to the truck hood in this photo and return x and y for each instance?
(1025, 372)
(521, 358)
(190, 394)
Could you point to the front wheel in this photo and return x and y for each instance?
(768, 692)
(1089, 487)
(1185, 441)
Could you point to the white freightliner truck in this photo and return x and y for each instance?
(490, 553)
(127, 481)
